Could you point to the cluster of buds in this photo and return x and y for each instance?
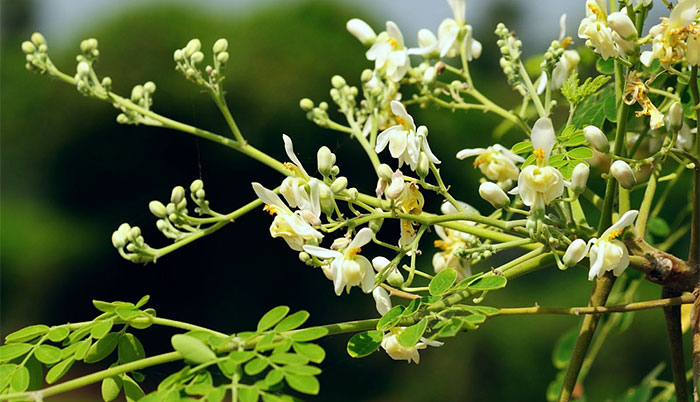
(189, 58)
(343, 94)
(130, 243)
(36, 53)
(317, 114)
(86, 81)
(510, 47)
(174, 220)
(141, 95)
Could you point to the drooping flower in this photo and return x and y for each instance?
(404, 140)
(389, 54)
(540, 184)
(410, 202)
(451, 241)
(671, 35)
(607, 253)
(496, 162)
(599, 35)
(290, 226)
(636, 92)
(450, 30)
(348, 268)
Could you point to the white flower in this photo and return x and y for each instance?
(599, 34)
(579, 178)
(684, 141)
(495, 162)
(669, 44)
(623, 173)
(404, 140)
(449, 32)
(362, 31)
(427, 44)
(540, 184)
(608, 254)
(392, 347)
(450, 242)
(595, 137)
(389, 54)
(575, 252)
(348, 268)
(381, 300)
(493, 194)
(288, 225)
(410, 202)
(564, 67)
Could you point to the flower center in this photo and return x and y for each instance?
(354, 251)
(566, 42)
(539, 154)
(289, 166)
(393, 43)
(441, 244)
(615, 233)
(269, 208)
(400, 120)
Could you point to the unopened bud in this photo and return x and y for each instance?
(426, 38)
(376, 224)
(38, 39)
(362, 31)
(395, 278)
(28, 47)
(306, 104)
(423, 167)
(675, 117)
(137, 93)
(494, 195)
(149, 87)
(177, 195)
(579, 178)
(193, 46)
(197, 57)
(106, 82)
(575, 253)
(596, 138)
(339, 184)
(178, 55)
(622, 172)
(83, 69)
(325, 159)
(384, 172)
(220, 45)
(396, 187)
(366, 75)
(623, 25)
(222, 57)
(157, 208)
(118, 240)
(337, 81)
(304, 257)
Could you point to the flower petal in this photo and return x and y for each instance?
(362, 237)
(381, 300)
(542, 136)
(467, 152)
(269, 197)
(383, 138)
(624, 221)
(289, 149)
(337, 273)
(393, 30)
(397, 143)
(321, 252)
(400, 110)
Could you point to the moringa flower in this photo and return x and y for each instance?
(389, 54)
(404, 140)
(290, 226)
(348, 268)
(608, 254)
(450, 30)
(599, 33)
(391, 345)
(671, 36)
(636, 92)
(495, 162)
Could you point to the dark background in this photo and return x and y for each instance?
(70, 175)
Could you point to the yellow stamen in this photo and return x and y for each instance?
(393, 42)
(399, 120)
(354, 251)
(270, 209)
(566, 42)
(615, 233)
(539, 154)
(289, 166)
(442, 245)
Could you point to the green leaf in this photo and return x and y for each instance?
(192, 349)
(554, 387)
(411, 335)
(27, 334)
(391, 318)
(216, 395)
(255, 366)
(529, 161)
(132, 390)
(272, 317)
(69, 350)
(101, 329)
(576, 140)
(82, 349)
(308, 334)
(580, 153)
(522, 147)
(364, 343)
(592, 110)
(13, 350)
(80, 333)
(306, 384)
(130, 349)
(59, 370)
(57, 334)
(142, 301)
(248, 394)
(289, 358)
(102, 348)
(568, 170)
(48, 354)
(475, 319)
(274, 377)
(610, 108)
(484, 310)
(411, 308)
(452, 328)
(605, 66)
(311, 351)
(557, 160)
(36, 373)
(20, 379)
(240, 357)
(658, 227)
(303, 370)
(127, 313)
(104, 306)
(442, 281)
(111, 387)
(564, 348)
(485, 283)
(293, 321)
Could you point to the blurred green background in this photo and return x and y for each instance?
(70, 175)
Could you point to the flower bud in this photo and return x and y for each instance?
(395, 278)
(384, 172)
(353, 193)
(197, 57)
(137, 93)
(193, 46)
(575, 253)
(306, 104)
(339, 184)
(196, 185)
(304, 257)
(106, 82)
(335, 170)
(157, 208)
(200, 194)
(623, 25)
(376, 224)
(381, 300)
(622, 172)
(494, 195)
(222, 57)
(426, 38)
(118, 240)
(363, 32)
(178, 55)
(396, 187)
(675, 117)
(429, 75)
(177, 195)
(366, 75)
(149, 87)
(579, 178)
(38, 39)
(341, 243)
(28, 47)
(596, 138)
(337, 81)
(220, 46)
(379, 263)
(83, 69)
(423, 167)
(325, 159)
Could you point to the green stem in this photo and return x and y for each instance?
(675, 343)
(220, 100)
(645, 208)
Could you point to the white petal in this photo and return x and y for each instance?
(289, 149)
(393, 30)
(562, 27)
(541, 83)
(397, 143)
(624, 261)
(400, 110)
(507, 152)
(624, 221)
(269, 197)
(321, 252)
(429, 152)
(368, 274)
(362, 237)
(596, 263)
(448, 39)
(458, 9)
(542, 136)
(380, 263)
(646, 57)
(381, 300)
(467, 152)
(337, 273)
(383, 138)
